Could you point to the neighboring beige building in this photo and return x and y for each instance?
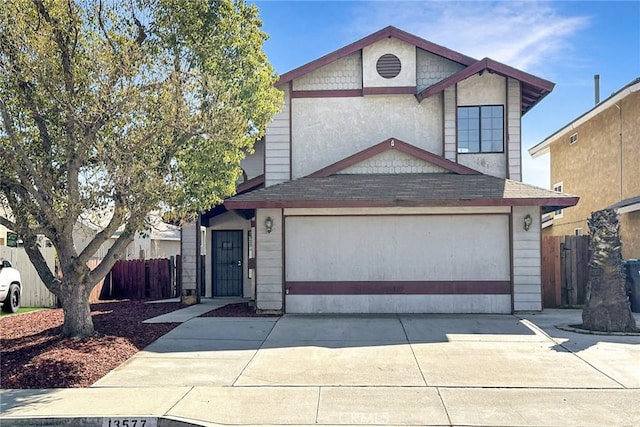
(597, 157)
(161, 240)
(388, 183)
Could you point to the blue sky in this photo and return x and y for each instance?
(566, 42)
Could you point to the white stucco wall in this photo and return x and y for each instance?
(327, 130)
(404, 51)
(527, 279)
(485, 89)
(228, 221)
(269, 253)
(398, 248)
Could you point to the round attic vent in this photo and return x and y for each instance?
(388, 66)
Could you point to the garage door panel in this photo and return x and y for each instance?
(398, 248)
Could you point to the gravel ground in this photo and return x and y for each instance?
(33, 355)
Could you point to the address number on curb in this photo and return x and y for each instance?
(129, 422)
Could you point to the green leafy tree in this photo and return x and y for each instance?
(121, 109)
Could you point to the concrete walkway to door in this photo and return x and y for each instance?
(481, 370)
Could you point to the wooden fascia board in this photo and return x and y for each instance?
(542, 86)
(555, 202)
(393, 144)
(250, 184)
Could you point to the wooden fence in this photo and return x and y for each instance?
(140, 279)
(565, 270)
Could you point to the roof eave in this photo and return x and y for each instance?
(541, 86)
(544, 146)
(552, 203)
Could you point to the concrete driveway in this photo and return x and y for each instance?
(404, 370)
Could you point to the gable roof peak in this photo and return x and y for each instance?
(401, 146)
(386, 32)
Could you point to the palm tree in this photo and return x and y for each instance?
(607, 307)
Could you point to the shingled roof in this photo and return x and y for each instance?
(407, 190)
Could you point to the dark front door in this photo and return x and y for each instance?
(227, 263)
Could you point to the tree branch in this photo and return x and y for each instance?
(5, 222)
(111, 257)
(26, 170)
(105, 234)
(33, 252)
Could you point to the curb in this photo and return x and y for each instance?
(101, 422)
(571, 328)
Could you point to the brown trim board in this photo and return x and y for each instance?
(237, 204)
(400, 288)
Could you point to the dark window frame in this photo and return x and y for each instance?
(479, 129)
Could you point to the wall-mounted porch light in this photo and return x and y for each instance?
(268, 224)
(527, 222)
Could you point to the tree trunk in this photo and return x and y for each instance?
(607, 307)
(77, 310)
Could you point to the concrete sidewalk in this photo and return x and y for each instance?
(479, 370)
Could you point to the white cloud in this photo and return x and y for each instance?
(524, 35)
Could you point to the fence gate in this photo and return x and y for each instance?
(565, 270)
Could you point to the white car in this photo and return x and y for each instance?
(10, 287)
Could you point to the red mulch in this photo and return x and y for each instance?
(241, 309)
(33, 355)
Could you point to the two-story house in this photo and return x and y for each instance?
(597, 156)
(388, 183)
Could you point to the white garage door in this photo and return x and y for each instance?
(396, 264)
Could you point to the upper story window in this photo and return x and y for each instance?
(559, 213)
(573, 138)
(481, 129)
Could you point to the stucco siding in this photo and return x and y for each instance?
(601, 167)
(343, 74)
(404, 51)
(278, 145)
(477, 90)
(327, 130)
(433, 68)
(527, 284)
(407, 248)
(630, 230)
(485, 89)
(269, 263)
(494, 164)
